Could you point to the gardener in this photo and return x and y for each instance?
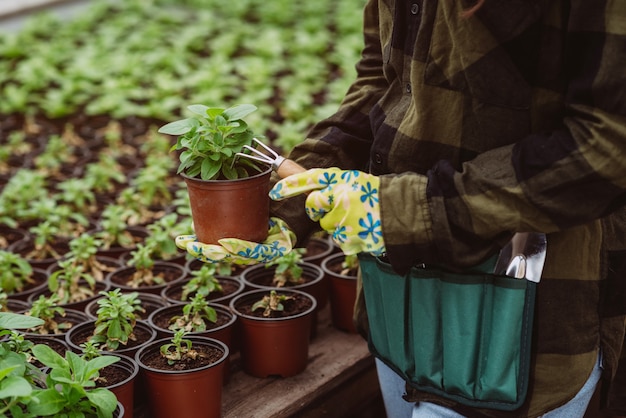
(467, 126)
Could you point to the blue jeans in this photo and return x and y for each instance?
(392, 388)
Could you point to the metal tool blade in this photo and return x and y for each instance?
(523, 257)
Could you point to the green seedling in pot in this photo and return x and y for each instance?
(17, 374)
(288, 269)
(116, 319)
(210, 140)
(48, 310)
(70, 387)
(134, 211)
(114, 227)
(142, 259)
(203, 282)
(70, 282)
(196, 315)
(77, 194)
(16, 342)
(45, 234)
(105, 174)
(15, 272)
(91, 349)
(151, 184)
(179, 349)
(15, 205)
(273, 302)
(162, 234)
(84, 250)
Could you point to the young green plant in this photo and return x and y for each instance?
(142, 259)
(48, 310)
(114, 227)
(70, 389)
(179, 349)
(70, 282)
(288, 269)
(272, 302)
(15, 272)
(203, 282)
(116, 319)
(210, 140)
(17, 374)
(196, 314)
(84, 250)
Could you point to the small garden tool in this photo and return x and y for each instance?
(523, 256)
(281, 165)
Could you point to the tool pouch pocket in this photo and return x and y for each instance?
(464, 336)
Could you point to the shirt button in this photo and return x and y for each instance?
(378, 159)
(408, 87)
(415, 8)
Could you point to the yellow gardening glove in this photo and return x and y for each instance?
(280, 240)
(345, 202)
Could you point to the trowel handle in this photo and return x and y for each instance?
(288, 167)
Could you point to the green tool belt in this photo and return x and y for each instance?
(464, 336)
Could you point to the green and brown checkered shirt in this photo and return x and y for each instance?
(511, 120)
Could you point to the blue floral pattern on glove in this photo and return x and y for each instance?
(280, 240)
(344, 202)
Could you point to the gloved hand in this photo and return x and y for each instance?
(345, 202)
(280, 240)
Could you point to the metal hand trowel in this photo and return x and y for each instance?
(523, 257)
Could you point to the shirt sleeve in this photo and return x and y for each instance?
(547, 181)
(344, 139)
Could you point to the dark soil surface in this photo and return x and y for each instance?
(205, 355)
(112, 375)
(124, 276)
(141, 335)
(294, 306)
(163, 320)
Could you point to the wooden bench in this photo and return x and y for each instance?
(339, 381)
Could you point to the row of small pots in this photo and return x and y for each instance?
(268, 346)
(20, 241)
(261, 368)
(323, 265)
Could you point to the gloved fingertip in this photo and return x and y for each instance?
(182, 240)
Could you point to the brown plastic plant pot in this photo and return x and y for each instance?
(230, 208)
(273, 346)
(342, 293)
(184, 393)
(124, 389)
(317, 249)
(315, 284)
(223, 331)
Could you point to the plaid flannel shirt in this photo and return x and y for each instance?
(511, 120)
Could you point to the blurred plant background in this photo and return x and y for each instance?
(149, 59)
